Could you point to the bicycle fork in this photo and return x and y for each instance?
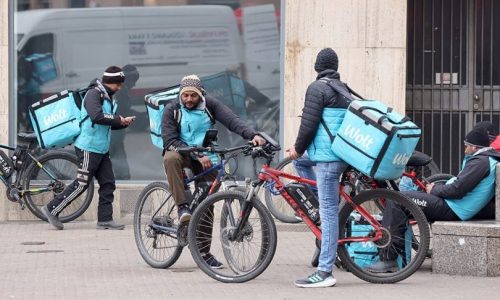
(237, 233)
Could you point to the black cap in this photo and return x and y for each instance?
(113, 74)
(490, 128)
(478, 137)
(326, 59)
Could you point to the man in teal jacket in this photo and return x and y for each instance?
(92, 149)
(460, 199)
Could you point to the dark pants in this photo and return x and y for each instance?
(174, 162)
(91, 165)
(396, 221)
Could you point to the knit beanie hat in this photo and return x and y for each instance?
(191, 83)
(326, 59)
(113, 74)
(490, 128)
(131, 74)
(477, 137)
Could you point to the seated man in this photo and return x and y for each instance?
(461, 198)
(184, 124)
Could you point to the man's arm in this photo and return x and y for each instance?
(93, 105)
(311, 118)
(169, 129)
(475, 170)
(229, 119)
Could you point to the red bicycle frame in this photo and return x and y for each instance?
(268, 174)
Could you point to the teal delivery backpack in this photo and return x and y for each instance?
(56, 119)
(155, 104)
(376, 140)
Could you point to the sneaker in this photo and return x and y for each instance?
(184, 214)
(110, 225)
(389, 266)
(53, 220)
(212, 262)
(317, 279)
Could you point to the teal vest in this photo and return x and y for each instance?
(469, 205)
(194, 124)
(320, 148)
(94, 137)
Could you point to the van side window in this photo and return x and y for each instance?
(43, 43)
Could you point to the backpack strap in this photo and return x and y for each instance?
(178, 115)
(344, 92)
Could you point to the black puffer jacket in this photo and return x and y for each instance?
(318, 96)
(170, 129)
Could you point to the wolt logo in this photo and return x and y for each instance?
(364, 140)
(401, 159)
(61, 114)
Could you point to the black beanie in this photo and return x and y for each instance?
(131, 74)
(326, 59)
(490, 128)
(478, 137)
(113, 74)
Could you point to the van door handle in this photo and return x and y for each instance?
(71, 75)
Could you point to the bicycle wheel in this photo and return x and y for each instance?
(210, 231)
(439, 178)
(359, 255)
(279, 208)
(155, 226)
(40, 188)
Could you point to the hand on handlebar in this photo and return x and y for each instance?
(205, 162)
(258, 140)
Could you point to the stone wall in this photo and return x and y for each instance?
(368, 35)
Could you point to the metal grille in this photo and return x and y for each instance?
(453, 74)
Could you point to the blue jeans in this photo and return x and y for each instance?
(304, 167)
(328, 174)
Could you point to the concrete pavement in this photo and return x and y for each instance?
(81, 262)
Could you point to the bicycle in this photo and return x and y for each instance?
(247, 233)
(38, 180)
(418, 168)
(159, 237)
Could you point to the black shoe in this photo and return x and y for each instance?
(389, 266)
(184, 214)
(212, 262)
(53, 220)
(110, 225)
(317, 279)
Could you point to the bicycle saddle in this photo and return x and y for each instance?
(27, 136)
(419, 159)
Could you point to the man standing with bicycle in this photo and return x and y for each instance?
(184, 124)
(92, 149)
(326, 101)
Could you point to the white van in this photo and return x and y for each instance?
(164, 43)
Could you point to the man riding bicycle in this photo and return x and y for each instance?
(184, 124)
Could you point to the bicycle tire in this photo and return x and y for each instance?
(155, 258)
(277, 206)
(266, 240)
(423, 232)
(439, 178)
(51, 161)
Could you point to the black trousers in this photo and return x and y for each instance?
(91, 165)
(434, 208)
